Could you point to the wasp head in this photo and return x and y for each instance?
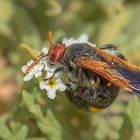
(56, 51)
(54, 55)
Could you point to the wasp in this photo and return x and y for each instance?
(95, 76)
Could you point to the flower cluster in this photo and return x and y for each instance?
(51, 85)
(82, 39)
(54, 84)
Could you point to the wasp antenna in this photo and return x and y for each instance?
(34, 63)
(31, 66)
(50, 39)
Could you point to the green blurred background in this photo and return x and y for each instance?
(30, 115)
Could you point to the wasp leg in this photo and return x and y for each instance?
(108, 46)
(111, 47)
(72, 81)
(121, 56)
(59, 69)
(71, 85)
(83, 81)
(80, 76)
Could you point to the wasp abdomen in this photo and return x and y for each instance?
(88, 90)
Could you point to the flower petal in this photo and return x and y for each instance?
(37, 70)
(38, 67)
(60, 86)
(23, 68)
(45, 50)
(49, 74)
(43, 85)
(83, 38)
(28, 76)
(29, 62)
(37, 74)
(51, 93)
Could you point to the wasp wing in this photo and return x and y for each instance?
(114, 69)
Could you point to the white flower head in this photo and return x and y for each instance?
(45, 50)
(51, 86)
(82, 39)
(36, 70)
(49, 69)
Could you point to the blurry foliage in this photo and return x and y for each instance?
(34, 116)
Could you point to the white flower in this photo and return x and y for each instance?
(35, 71)
(51, 86)
(45, 50)
(50, 71)
(82, 39)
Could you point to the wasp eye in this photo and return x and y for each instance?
(52, 57)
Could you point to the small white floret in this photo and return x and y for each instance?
(36, 71)
(51, 86)
(45, 50)
(82, 39)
